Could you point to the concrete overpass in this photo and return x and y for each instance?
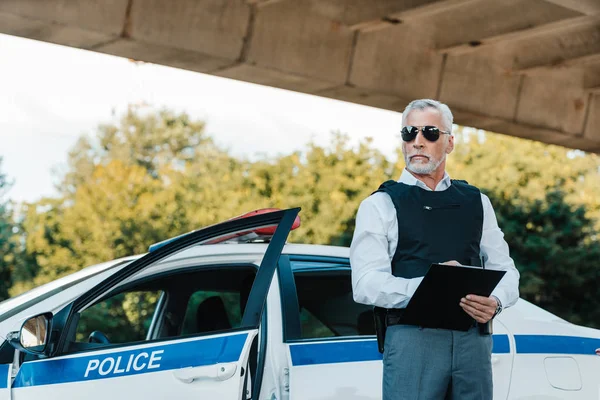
(527, 68)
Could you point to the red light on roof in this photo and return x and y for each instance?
(263, 234)
(255, 234)
(268, 231)
(598, 352)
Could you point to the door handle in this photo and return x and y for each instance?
(216, 372)
(495, 360)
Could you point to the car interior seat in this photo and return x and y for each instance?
(211, 315)
(366, 323)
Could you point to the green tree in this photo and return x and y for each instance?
(119, 194)
(522, 170)
(154, 175)
(123, 318)
(553, 245)
(143, 137)
(547, 200)
(327, 182)
(8, 245)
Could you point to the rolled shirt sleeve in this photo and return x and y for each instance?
(373, 246)
(496, 255)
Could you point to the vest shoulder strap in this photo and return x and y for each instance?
(462, 184)
(392, 189)
(386, 185)
(459, 181)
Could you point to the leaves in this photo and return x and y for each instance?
(8, 244)
(156, 174)
(551, 243)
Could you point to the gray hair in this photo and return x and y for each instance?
(423, 104)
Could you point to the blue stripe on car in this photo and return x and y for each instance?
(132, 362)
(363, 350)
(501, 344)
(4, 371)
(549, 344)
(366, 350)
(334, 352)
(224, 349)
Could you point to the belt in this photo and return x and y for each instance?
(394, 316)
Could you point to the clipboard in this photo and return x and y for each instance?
(435, 303)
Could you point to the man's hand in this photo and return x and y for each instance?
(481, 308)
(453, 262)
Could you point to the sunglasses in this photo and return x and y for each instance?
(431, 133)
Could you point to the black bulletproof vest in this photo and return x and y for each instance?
(435, 226)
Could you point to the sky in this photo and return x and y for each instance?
(51, 95)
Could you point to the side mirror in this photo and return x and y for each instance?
(34, 335)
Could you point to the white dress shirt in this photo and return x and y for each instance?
(375, 240)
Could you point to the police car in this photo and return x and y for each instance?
(233, 312)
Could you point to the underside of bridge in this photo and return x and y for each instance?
(527, 68)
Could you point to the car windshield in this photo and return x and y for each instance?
(25, 300)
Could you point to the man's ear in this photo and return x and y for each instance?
(450, 146)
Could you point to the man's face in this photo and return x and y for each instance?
(421, 155)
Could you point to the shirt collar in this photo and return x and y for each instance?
(409, 179)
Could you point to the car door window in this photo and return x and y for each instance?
(196, 301)
(326, 308)
(123, 318)
(312, 327)
(211, 311)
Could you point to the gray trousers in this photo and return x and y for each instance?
(436, 364)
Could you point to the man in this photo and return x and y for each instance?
(401, 230)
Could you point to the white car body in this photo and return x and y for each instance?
(536, 354)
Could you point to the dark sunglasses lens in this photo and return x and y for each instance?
(409, 133)
(431, 133)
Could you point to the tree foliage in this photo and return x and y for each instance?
(8, 246)
(522, 171)
(552, 243)
(154, 175)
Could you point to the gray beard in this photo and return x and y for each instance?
(423, 169)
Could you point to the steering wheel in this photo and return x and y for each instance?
(98, 337)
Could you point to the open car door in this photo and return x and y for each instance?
(5, 372)
(201, 366)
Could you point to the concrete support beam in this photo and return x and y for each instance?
(200, 35)
(528, 68)
(583, 61)
(423, 10)
(106, 17)
(591, 77)
(568, 103)
(592, 133)
(356, 14)
(551, 28)
(275, 78)
(80, 24)
(587, 7)
(365, 97)
(403, 68)
(579, 43)
(589, 142)
(262, 3)
(289, 36)
(478, 85)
